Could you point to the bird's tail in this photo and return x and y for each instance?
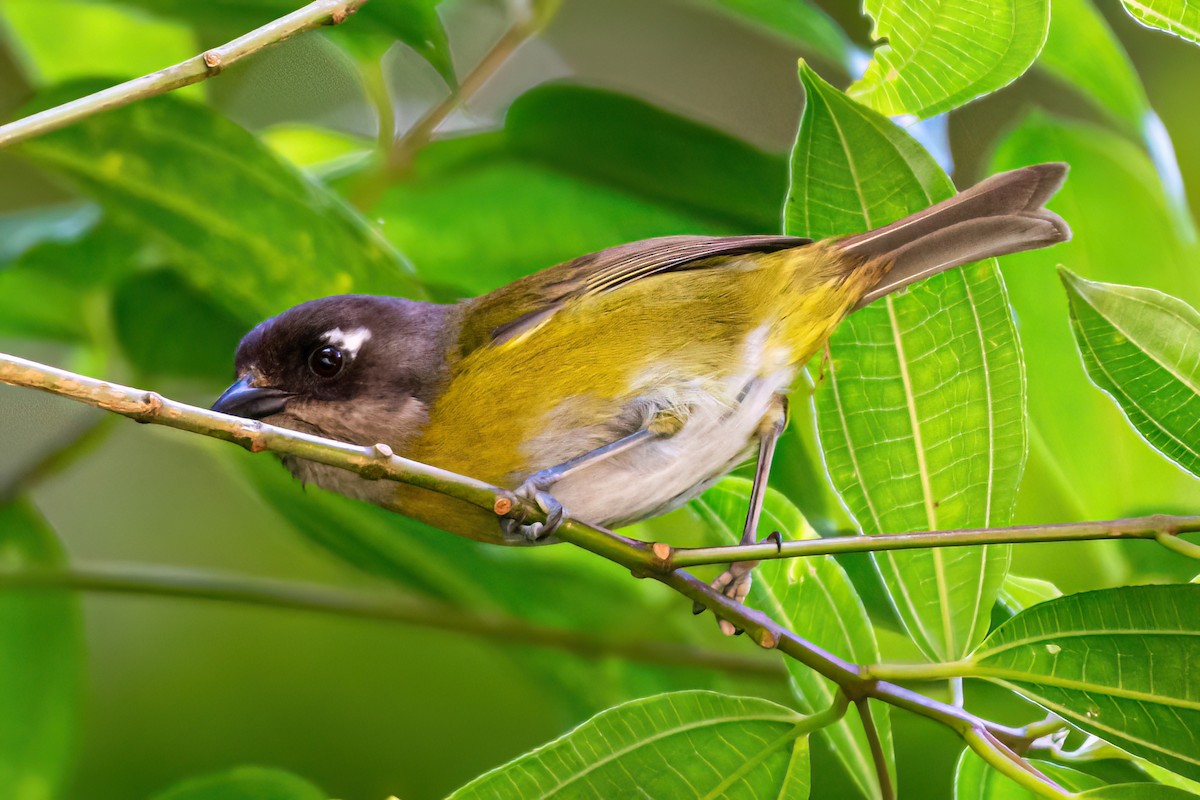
(998, 216)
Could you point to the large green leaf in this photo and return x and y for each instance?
(244, 224)
(685, 744)
(797, 22)
(1137, 791)
(1180, 17)
(921, 408)
(1142, 347)
(1117, 663)
(41, 649)
(939, 56)
(575, 170)
(814, 598)
(1086, 462)
(244, 783)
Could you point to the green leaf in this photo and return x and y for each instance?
(1086, 463)
(203, 334)
(1179, 17)
(1019, 593)
(1142, 347)
(941, 56)
(975, 779)
(61, 40)
(374, 26)
(244, 783)
(245, 225)
(1084, 53)
(684, 744)
(1137, 791)
(41, 650)
(1116, 663)
(798, 23)
(575, 170)
(814, 598)
(1168, 778)
(921, 409)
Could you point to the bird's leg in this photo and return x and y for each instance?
(537, 486)
(735, 581)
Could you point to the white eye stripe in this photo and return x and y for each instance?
(350, 342)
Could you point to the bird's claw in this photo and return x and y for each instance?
(735, 583)
(534, 532)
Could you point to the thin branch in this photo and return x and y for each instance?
(642, 558)
(196, 69)
(400, 152)
(886, 790)
(1162, 528)
(390, 607)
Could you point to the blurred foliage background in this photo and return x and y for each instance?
(141, 245)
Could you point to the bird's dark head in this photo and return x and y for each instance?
(357, 368)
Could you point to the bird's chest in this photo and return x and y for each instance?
(721, 422)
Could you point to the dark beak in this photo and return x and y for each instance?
(244, 399)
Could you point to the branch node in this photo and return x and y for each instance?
(502, 506)
(662, 555)
(766, 639)
(152, 403)
(338, 16)
(383, 451)
(213, 60)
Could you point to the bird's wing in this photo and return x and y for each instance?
(519, 307)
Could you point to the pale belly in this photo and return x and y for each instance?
(720, 432)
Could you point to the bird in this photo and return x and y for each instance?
(614, 387)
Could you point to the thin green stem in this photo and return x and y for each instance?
(947, 670)
(200, 68)
(1005, 761)
(1162, 528)
(882, 774)
(389, 607)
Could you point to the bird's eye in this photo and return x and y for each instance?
(326, 362)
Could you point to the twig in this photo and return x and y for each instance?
(1162, 528)
(196, 69)
(390, 607)
(400, 152)
(886, 790)
(642, 558)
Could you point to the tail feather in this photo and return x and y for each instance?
(996, 217)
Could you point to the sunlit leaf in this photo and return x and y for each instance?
(244, 783)
(975, 779)
(575, 170)
(684, 744)
(1086, 463)
(244, 224)
(941, 56)
(1116, 663)
(414, 22)
(921, 409)
(814, 598)
(59, 40)
(41, 647)
(1180, 17)
(798, 22)
(1142, 347)
(1018, 593)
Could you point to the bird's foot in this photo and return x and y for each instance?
(735, 583)
(534, 490)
